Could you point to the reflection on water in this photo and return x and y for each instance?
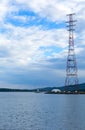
(30, 111)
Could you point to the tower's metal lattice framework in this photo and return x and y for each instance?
(71, 68)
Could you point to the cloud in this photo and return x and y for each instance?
(34, 41)
(54, 10)
(26, 42)
(3, 9)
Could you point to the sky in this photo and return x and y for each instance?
(34, 42)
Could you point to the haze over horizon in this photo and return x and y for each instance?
(34, 42)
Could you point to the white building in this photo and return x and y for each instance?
(56, 90)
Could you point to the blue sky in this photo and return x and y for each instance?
(34, 42)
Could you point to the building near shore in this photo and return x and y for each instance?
(56, 90)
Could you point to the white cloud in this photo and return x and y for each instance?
(3, 9)
(20, 46)
(54, 10)
(24, 44)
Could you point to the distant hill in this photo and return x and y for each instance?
(16, 90)
(81, 87)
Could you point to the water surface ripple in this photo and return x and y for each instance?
(31, 111)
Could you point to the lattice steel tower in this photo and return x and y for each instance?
(71, 68)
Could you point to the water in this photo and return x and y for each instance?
(33, 111)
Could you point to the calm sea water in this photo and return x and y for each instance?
(32, 111)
